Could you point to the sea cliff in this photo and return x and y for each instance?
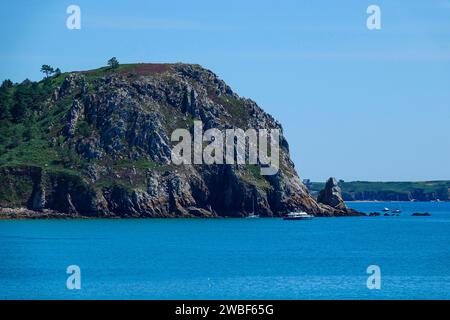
(97, 144)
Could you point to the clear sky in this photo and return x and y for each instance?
(354, 103)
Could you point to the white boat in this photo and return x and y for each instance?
(298, 216)
(253, 215)
(386, 209)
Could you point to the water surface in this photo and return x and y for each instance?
(324, 258)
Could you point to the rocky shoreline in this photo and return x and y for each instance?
(24, 213)
(27, 214)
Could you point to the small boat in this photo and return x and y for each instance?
(385, 210)
(298, 216)
(396, 212)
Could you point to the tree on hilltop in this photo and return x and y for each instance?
(47, 70)
(113, 63)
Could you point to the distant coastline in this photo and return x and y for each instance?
(391, 201)
(367, 191)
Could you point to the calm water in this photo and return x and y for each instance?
(324, 258)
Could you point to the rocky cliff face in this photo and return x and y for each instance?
(105, 137)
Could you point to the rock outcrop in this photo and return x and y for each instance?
(109, 136)
(331, 196)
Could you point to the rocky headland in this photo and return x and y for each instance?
(100, 147)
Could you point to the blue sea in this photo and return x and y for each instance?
(323, 258)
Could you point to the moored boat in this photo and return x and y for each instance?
(253, 215)
(298, 216)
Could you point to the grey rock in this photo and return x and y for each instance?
(74, 114)
(331, 195)
(89, 148)
(93, 173)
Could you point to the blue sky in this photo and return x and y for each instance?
(354, 103)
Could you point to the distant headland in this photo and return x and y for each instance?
(388, 191)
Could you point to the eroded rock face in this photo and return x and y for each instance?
(116, 133)
(331, 195)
